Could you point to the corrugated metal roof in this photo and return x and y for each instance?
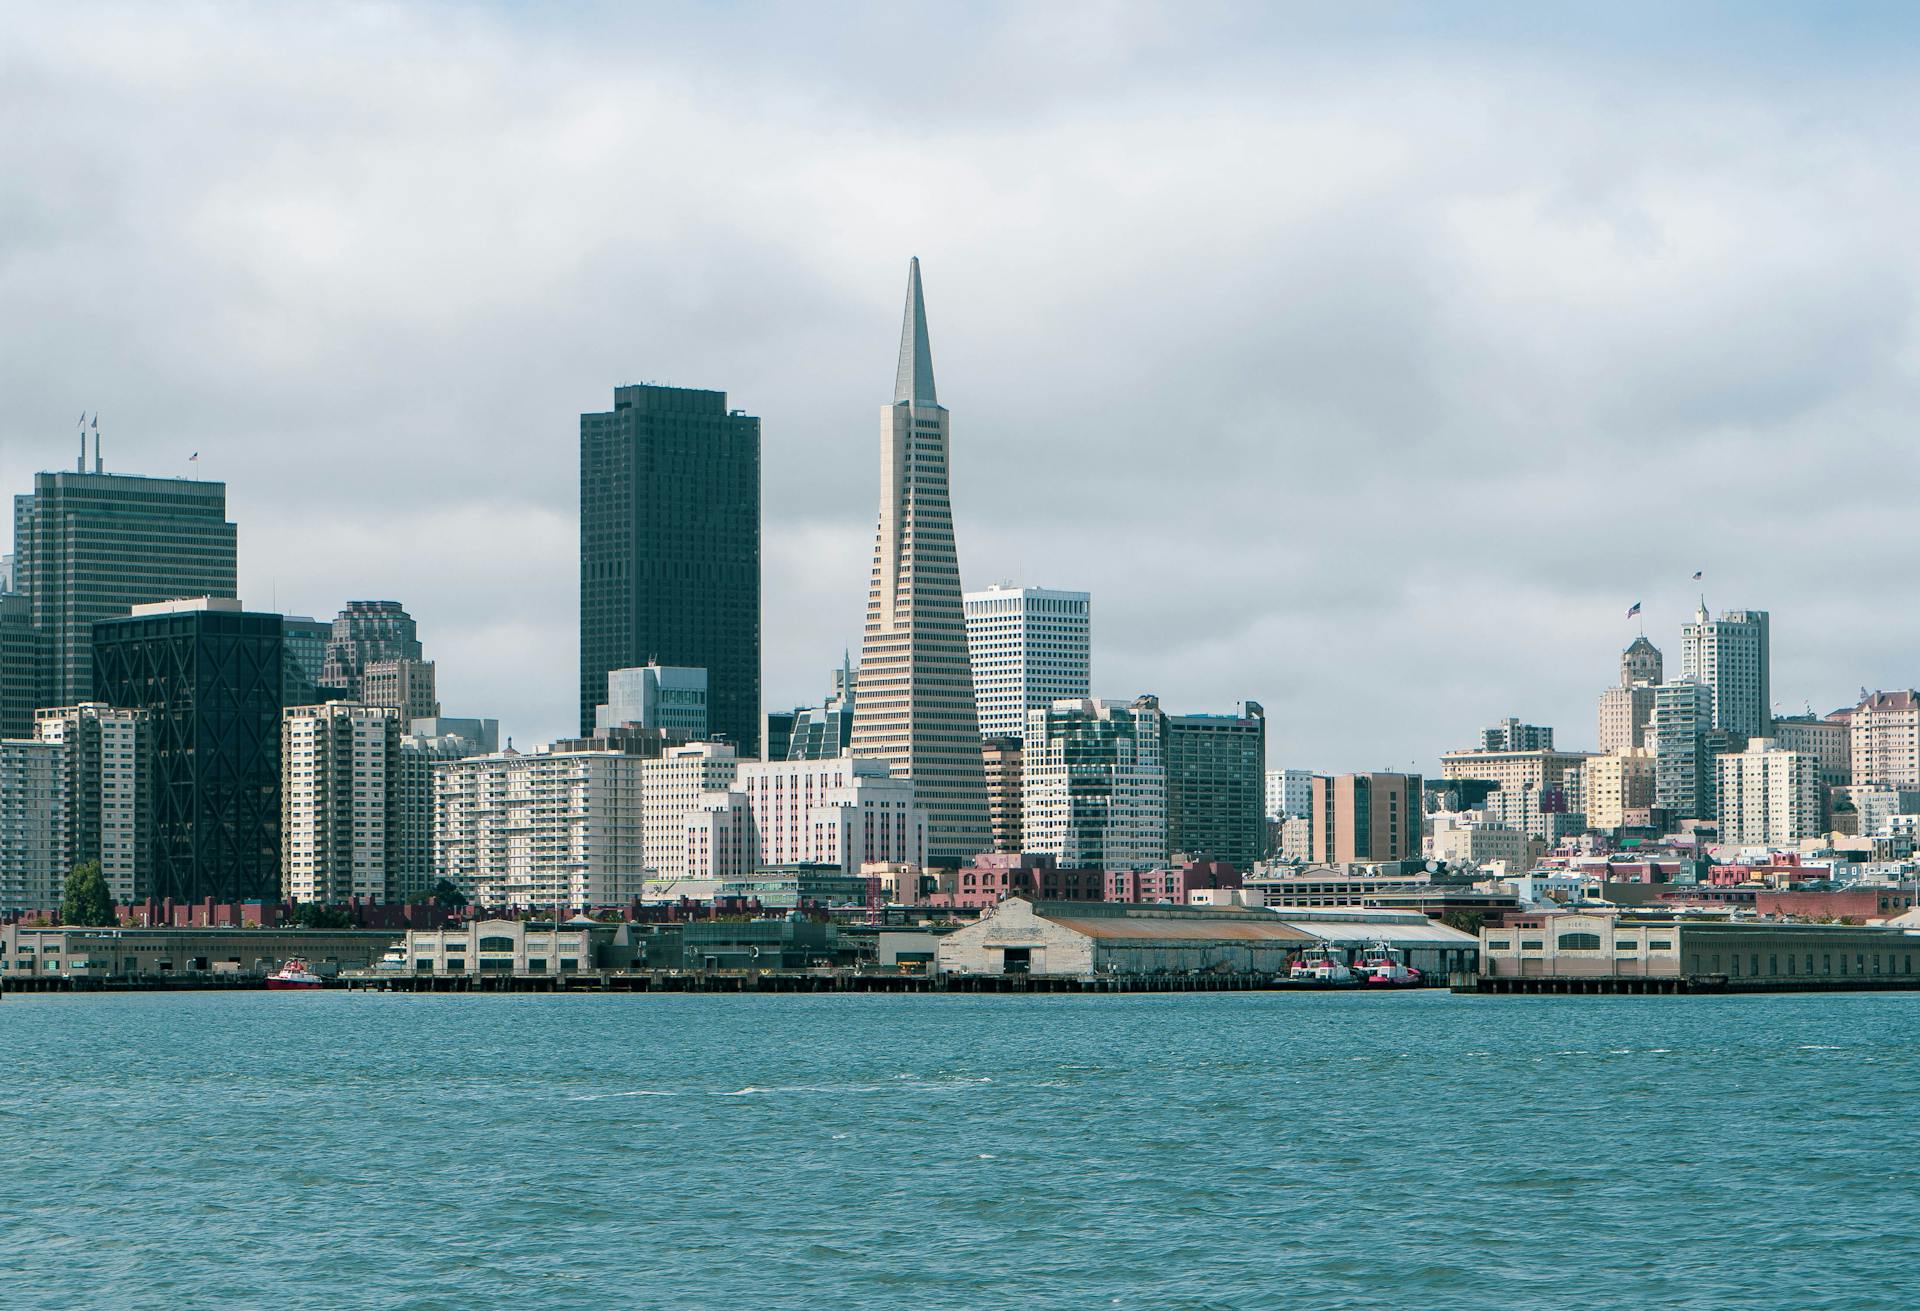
(1144, 928)
(1365, 932)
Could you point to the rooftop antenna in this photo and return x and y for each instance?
(98, 466)
(81, 467)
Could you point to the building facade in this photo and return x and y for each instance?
(673, 787)
(670, 549)
(339, 802)
(1029, 647)
(559, 828)
(1095, 784)
(1289, 793)
(1615, 783)
(1732, 656)
(19, 666)
(109, 787)
(842, 813)
(91, 546)
(1885, 739)
(915, 707)
(403, 686)
(1216, 785)
(1366, 817)
(668, 698)
(1682, 729)
(1767, 796)
(1002, 758)
(815, 732)
(364, 633)
(33, 825)
(209, 675)
(1512, 735)
(426, 743)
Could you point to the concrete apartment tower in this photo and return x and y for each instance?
(915, 704)
(1731, 655)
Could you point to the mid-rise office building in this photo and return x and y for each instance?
(1513, 771)
(668, 698)
(815, 732)
(1095, 784)
(306, 640)
(672, 787)
(91, 546)
(33, 825)
(208, 674)
(1289, 793)
(1828, 740)
(1002, 757)
(842, 813)
(1029, 647)
(1732, 656)
(364, 633)
(559, 828)
(670, 549)
(1216, 785)
(1767, 796)
(1360, 818)
(109, 788)
(405, 687)
(916, 707)
(339, 801)
(1626, 713)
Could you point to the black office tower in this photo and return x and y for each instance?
(670, 549)
(209, 674)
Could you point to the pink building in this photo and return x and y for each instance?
(995, 876)
(1170, 885)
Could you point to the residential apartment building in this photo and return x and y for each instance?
(33, 825)
(1615, 783)
(339, 802)
(560, 828)
(109, 788)
(1829, 740)
(403, 686)
(425, 744)
(1885, 739)
(1095, 784)
(1366, 817)
(1002, 758)
(1684, 775)
(1289, 793)
(1029, 647)
(1514, 770)
(1767, 796)
(1732, 656)
(670, 549)
(1216, 784)
(1512, 735)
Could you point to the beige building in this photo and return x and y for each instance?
(109, 762)
(1002, 758)
(1626, 717)
(1514, 771)
(1366, 817)
(672, 789)
(1091, 939)
(1616, 783)
(514, 947)
(339, 801)
(33, 825)
(1486, 844)
(843, 812)
(1829, 741)
(1885, 739)
(914, 706)
(405, 685)
(1768, 797)
(1580, 945)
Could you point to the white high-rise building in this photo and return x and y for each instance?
(1029, 647)
(109, 764)
(1885, 741)
(553, 828)
(339, 801)
(426, 743)
(671, 790)
(1768, 797)
(1095, 782)
(845, 812)
(33, 825)
(1289, 793)
(670, 698)
(914, 705)
(1730, 655)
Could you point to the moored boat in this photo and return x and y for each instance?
(1382, 966)
(294, 973)
(1319, 965)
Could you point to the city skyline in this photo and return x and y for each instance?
(1333, 378)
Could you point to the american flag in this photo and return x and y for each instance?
(1633, 609)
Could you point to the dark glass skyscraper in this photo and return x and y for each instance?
(209, 674)
(90, 546)
(670, 549)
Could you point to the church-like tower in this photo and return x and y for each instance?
(915, 705)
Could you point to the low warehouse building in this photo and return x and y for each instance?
(67, 952)
(1583, 945)
(1437, 950)
(1085, 939)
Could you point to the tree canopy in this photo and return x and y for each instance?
(84, 899)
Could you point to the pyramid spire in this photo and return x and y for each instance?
(913, 380)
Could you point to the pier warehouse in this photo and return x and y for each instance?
(1584, 946)
(1085, 939)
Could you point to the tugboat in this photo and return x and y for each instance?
(1386, 967)
(294, 974)
(1320, 965)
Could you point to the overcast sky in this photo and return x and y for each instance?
(1369, 366)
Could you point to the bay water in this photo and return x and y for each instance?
(443, 1153)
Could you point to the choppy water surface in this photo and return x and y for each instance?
(1412, 1151)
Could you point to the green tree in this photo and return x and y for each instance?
(84, 900)
(446, 894)
(1467, 921)
(312, 915)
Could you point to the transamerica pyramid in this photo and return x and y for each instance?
(914, 706)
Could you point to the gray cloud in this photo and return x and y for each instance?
(1368, 366)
